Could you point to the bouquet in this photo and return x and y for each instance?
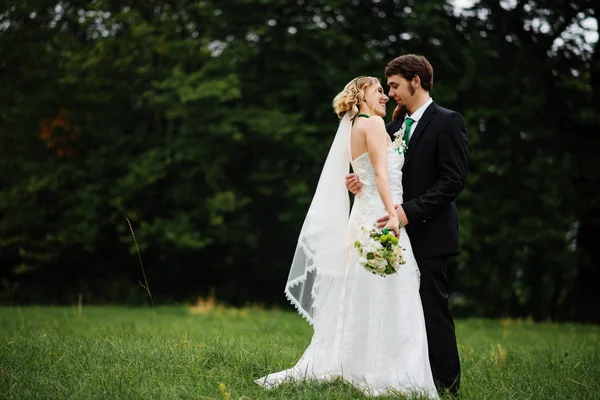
(379, 252)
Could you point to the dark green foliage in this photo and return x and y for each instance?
(207, 125)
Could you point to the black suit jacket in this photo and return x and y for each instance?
(433, 175)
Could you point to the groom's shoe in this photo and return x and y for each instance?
(448, 392)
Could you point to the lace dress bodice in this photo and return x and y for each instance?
(367, 201)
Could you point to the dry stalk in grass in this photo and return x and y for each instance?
(147, 287)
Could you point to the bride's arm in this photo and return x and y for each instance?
(377, 147)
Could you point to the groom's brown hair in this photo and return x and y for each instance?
(410, 65)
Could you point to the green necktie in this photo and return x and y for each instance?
(407, 123)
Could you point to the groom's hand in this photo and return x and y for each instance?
(381, 222)
(353, 184)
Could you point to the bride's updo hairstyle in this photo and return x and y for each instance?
(348, 100)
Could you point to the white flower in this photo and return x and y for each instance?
(372, 247)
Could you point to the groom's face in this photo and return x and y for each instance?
(402, 91)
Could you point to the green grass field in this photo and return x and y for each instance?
(179, 352)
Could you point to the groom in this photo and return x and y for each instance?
(434, 173)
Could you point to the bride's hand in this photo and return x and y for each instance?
(393, 224)
(399, 212)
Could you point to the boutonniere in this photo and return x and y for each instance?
(399, 144)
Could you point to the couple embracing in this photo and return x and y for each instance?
(394, 333)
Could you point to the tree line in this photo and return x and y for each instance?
(206, 125)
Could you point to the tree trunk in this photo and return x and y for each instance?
(586, 292)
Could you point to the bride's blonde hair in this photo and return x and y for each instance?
(353, 93)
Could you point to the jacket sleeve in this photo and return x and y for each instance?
(393, 127)
(452, 156)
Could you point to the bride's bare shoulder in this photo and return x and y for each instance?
(374, 125)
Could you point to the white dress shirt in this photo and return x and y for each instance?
(416, 116)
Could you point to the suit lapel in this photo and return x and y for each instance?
(423, 122)
(393, 127)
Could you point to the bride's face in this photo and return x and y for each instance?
(376, 99)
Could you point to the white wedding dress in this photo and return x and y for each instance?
(369, 330)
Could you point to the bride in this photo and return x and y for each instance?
(368, 329)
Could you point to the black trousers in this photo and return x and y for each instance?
(441, 338)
